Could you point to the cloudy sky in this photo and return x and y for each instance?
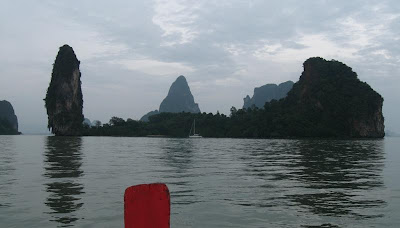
(131, 51)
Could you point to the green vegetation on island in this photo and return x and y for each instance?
(6, 128)
(328, 101)
(8, 119)
(64, 102)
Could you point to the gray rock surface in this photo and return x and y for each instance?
(179, 99)
(267, 93)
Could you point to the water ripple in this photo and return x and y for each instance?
(213, 182)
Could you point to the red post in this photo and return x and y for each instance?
(147, 206)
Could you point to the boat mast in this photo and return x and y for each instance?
(191, 126)
(194, 126)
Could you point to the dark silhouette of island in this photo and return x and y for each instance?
(179, 99)
(8, 119)
(147, 115)
(328, 101)
(64, 102)
(267, 93)
(87, 122)
(391, 133)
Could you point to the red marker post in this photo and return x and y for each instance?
(147, 206)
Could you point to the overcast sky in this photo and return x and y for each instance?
(131, 51)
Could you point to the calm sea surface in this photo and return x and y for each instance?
(59, 182)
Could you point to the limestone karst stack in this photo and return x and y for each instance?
(179, 99)
(330, 100)
(64, 101)
(8, 119)
(267, 93)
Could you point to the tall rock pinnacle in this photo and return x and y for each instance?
(179, 98)
(64, 100)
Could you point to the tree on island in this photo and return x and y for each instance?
(96, 123)
(328, 101)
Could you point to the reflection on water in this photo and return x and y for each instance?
(320, 177)
(7, 169)
(340, 177)
(63, 160)
(178, 154)
(212, 182)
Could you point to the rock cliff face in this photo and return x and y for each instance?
(179, 99)
(330, 98)
(64, 101)
(267, 93)
(7, 113)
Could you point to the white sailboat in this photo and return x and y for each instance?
(194, 131)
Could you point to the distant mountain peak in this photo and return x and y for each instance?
(267, 93)
(179, 99)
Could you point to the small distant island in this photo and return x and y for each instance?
(8, 119)
(328, 101)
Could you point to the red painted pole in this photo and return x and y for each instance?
(147, 206)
